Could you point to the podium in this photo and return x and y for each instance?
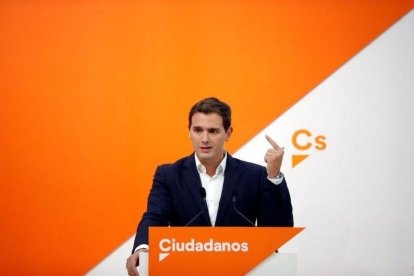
(218, 251)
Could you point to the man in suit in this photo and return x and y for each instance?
(237, 193)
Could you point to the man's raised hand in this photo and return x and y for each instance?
(273, 157)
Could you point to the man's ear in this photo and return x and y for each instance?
(229, 132)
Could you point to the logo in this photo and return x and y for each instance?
(303, 140)
(168, 246)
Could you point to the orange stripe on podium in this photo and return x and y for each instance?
(213, 251)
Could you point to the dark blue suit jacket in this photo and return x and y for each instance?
(175, 198)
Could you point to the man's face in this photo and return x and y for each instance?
(208, 136)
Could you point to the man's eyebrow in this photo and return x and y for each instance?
(210, 128)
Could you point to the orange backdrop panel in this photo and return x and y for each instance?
(95, 94)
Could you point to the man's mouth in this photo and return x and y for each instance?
(205, 149)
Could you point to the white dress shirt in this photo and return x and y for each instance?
(213, 186)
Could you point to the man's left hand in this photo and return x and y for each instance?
(273, 158)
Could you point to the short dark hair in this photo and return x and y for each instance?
(212, 105)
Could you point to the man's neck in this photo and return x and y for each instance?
(211, 166)
(211, 169)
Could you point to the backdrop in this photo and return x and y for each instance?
(93, 95)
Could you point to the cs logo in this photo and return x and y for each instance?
(303, 140)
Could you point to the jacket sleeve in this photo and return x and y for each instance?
(158, 208)
(275, 207)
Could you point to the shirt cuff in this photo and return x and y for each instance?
(141, 246)
(276, 180)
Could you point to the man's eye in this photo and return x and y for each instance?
(213, 131)
(197, 130)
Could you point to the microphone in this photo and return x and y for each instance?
(237, 210)
(203, 195)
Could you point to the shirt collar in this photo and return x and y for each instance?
(220, 168)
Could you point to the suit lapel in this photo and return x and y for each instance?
(231, 177)
(193, 183)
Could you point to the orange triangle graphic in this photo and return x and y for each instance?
(297, 158)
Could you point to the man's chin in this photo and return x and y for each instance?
(204, 156)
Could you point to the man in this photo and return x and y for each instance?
(237, 193)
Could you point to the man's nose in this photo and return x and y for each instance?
(204, 137)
